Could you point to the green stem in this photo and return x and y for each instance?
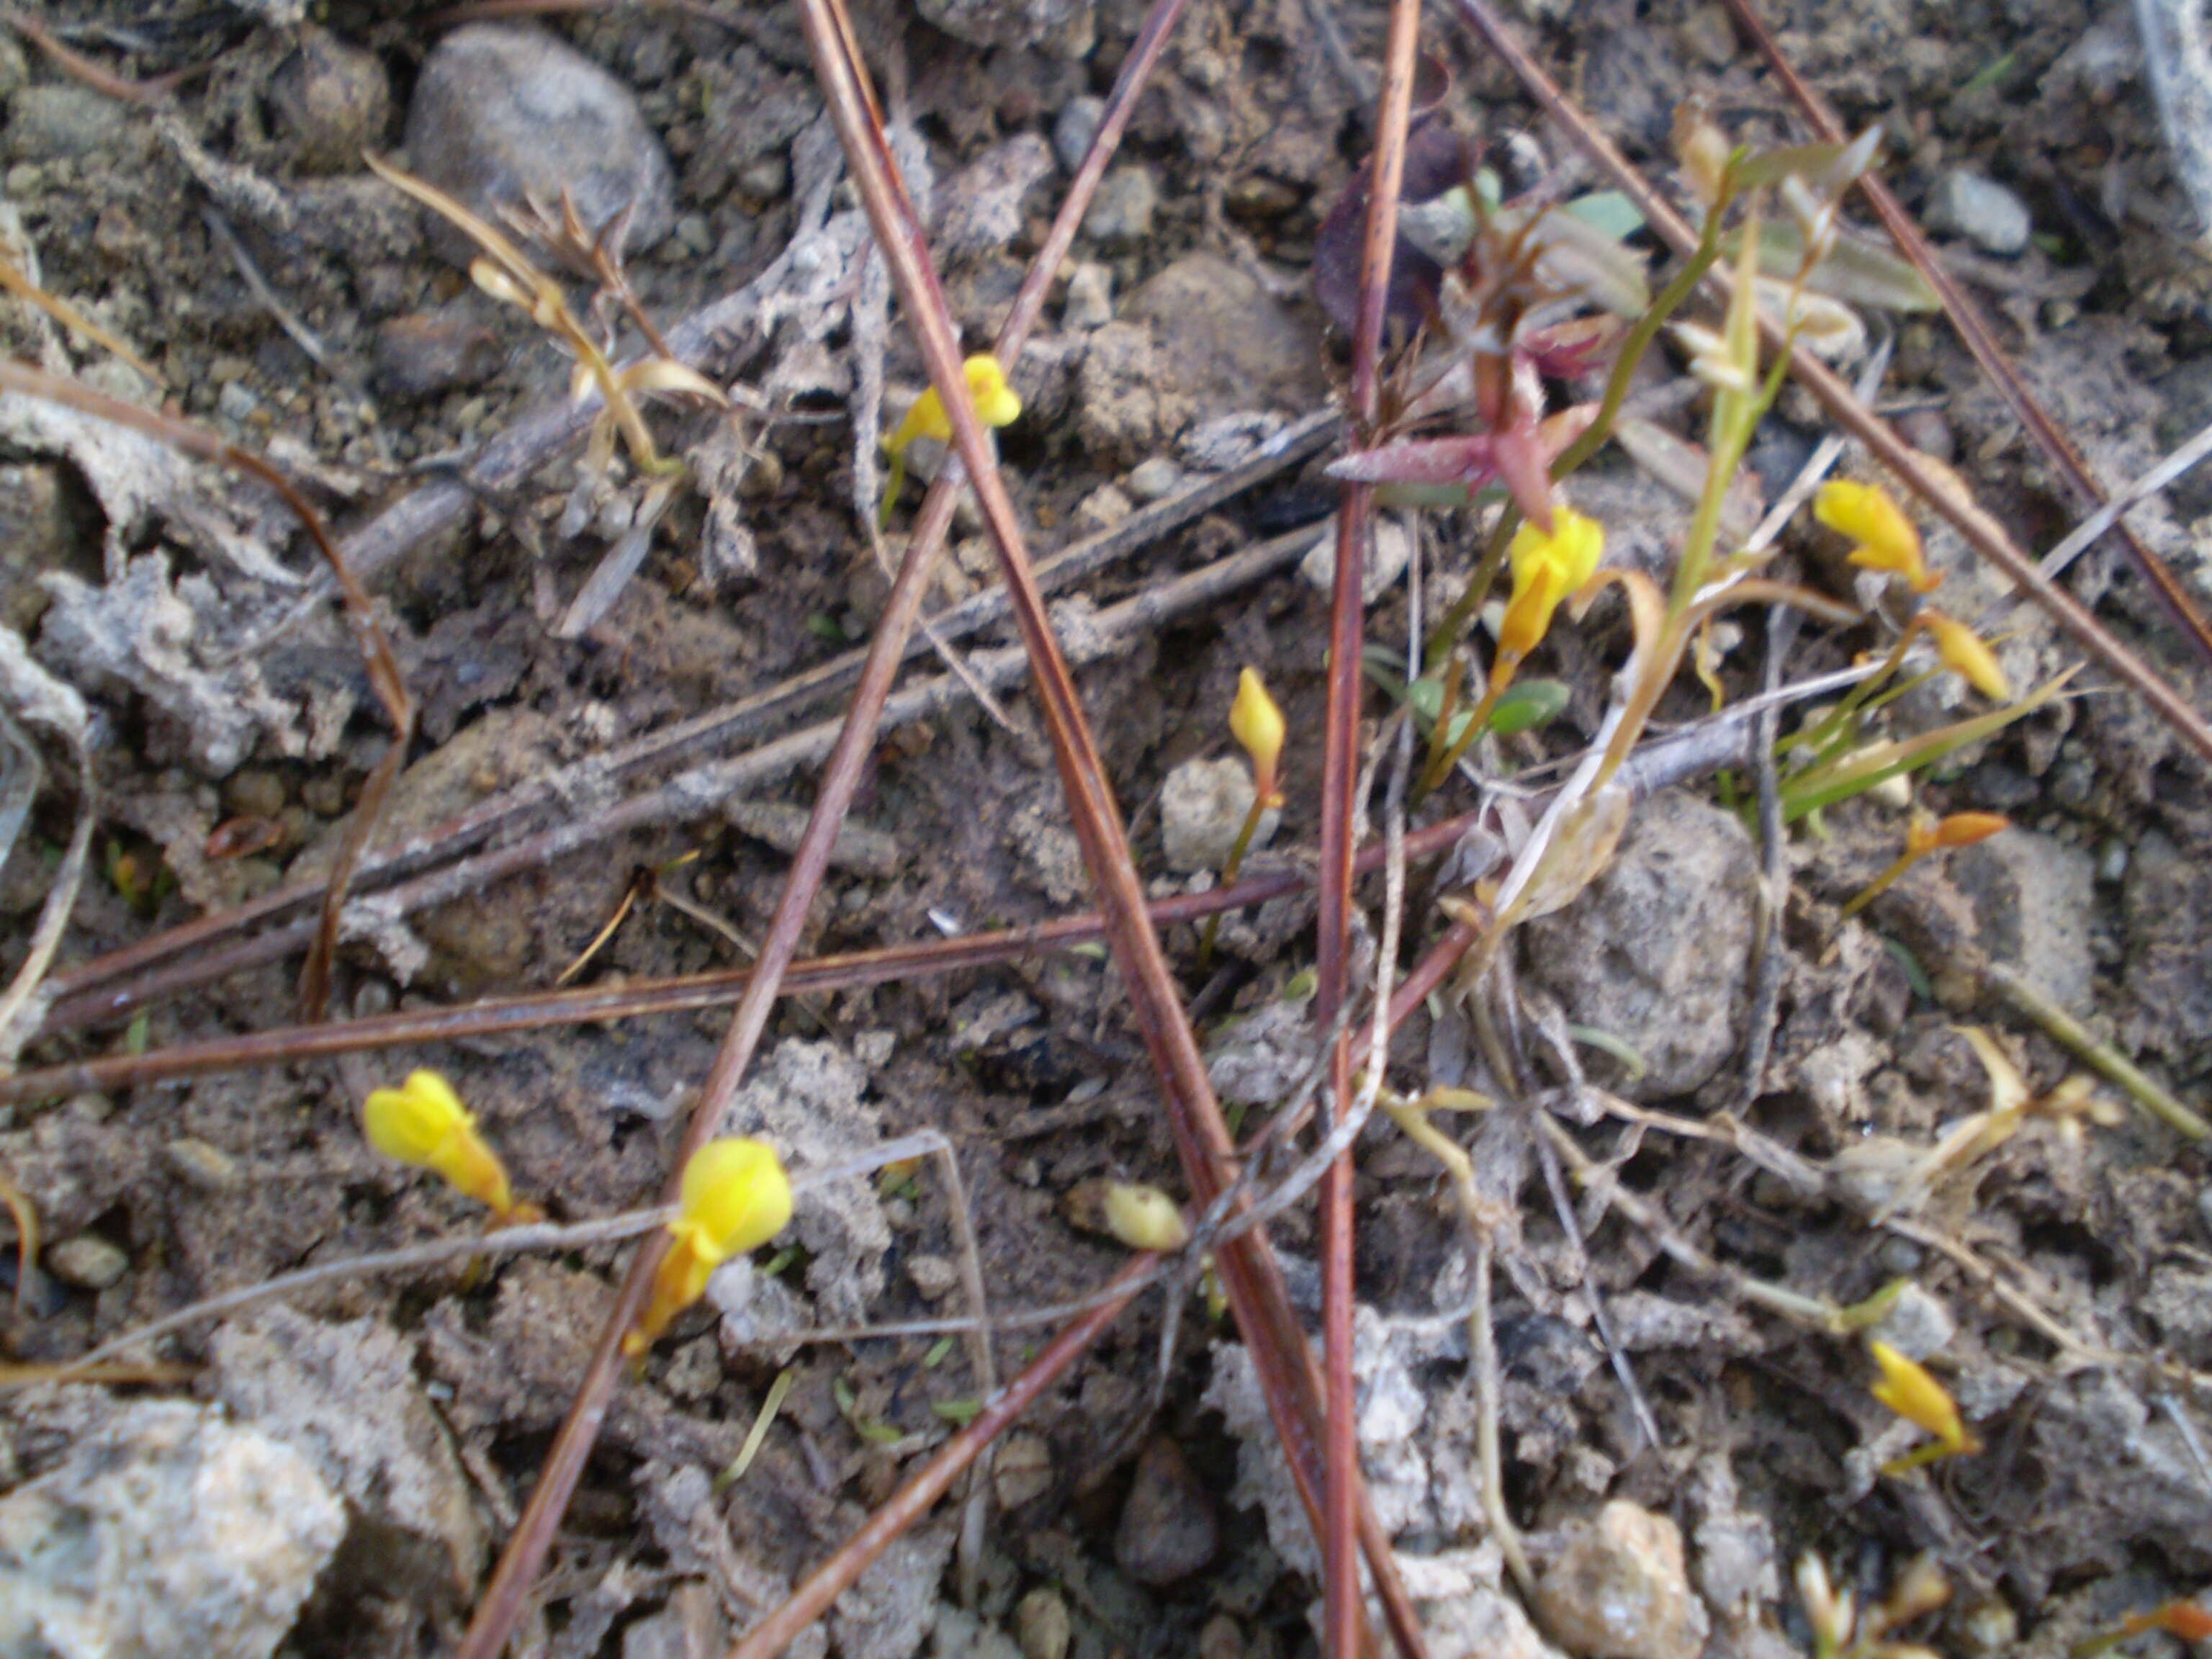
(1453, 625)
(1228, 871)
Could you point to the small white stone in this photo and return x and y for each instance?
(1386, 561)
(1917, 1325)
(1202, 807)
(1980, 209)
(1090, 301)
(1153, 480)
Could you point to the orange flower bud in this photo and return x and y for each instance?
(1256, 723)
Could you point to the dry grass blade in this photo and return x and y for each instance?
(17, 283)
(1966, 316)
(384, 676)
(1983, 533)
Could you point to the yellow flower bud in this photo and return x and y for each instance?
(1546, 569)
(1886, 539)
(1144, 1217)
(995, 403)
(1965, 829)
(1965, 655)
(424, 1123)
(1257, 723)
(735, 1198)
(1907, 1388)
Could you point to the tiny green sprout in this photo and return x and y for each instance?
(1907, 1388)
(424, 1123)
(958, 1412)
(1926, 834)
(995, 402)
(735, 1198)
(1885, 538)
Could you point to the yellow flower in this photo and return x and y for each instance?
(1886, 539)
(422, 1122)
(735, 1198)
(1257, 723)
(1965, 655)
(1546, 569)
(995, 402)
(1907, 1388)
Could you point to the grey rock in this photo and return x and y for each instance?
(1126, 406)
(1064, 28)
(62, 122)
(426, 353)
(1202, 807)
(44, 525)
(1090, 302)
(1980, 209)
(344, 1396)
(1121, 212)
(332, 101)
(1916, 1324)
(1657, 951)
(2033, 898)
(1168, 1529)
(2187, 389)
(1619, 1589)
(1074, 128)
(166, 1531)
(1150, 481)
(501, 112)
(87, 1261)
(1225, 344)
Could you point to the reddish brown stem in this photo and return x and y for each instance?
(1987, 536)
(1342, 1622)
(1974, 328)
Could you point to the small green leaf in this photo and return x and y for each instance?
(1527, 703)
(1989, 74)
(936, 1356)
(958, 1412)
(1610, 211)
(1855, 272)
(825, 628)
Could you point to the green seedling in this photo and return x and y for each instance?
(757, 1435)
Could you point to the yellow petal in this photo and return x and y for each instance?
(1572, 552)
(1528, 617)
(1965, 655)
(1907, 1388)
(736, 1197)
(1256, 723)
(1886, 539)
(411, 1123)
(995, 403)
(679, 1281)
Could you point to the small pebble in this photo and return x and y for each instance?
(1916, 1324)
(501, 112)
(1618, 1590)
(1168, 1529)
(1202, 807)
(234, 402)
(1980, 209)
(1090, 301)
(1221, 1639)
(254, 792)
(62, 122)
(1121, 212)
(332, 101)
(934, 1276)
(1023, 1470)
(1153, 480)
(89, 1107)
(1711, 36)
(1077, 126)
(208, 1167)
(1041, 1625)
(87, 1261)
(1386, 561)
